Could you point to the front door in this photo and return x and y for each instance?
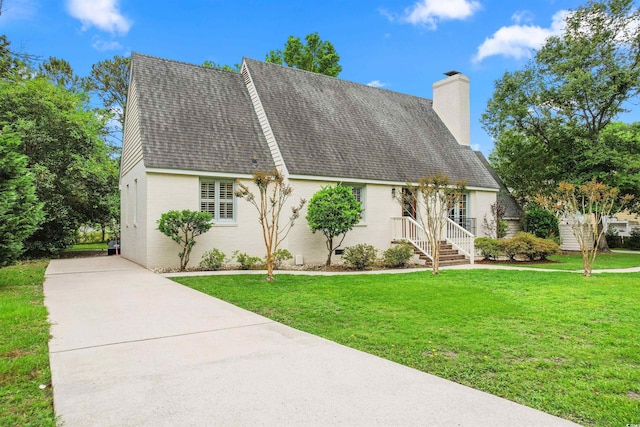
(408, 203)
(458, 213)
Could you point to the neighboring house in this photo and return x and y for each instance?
(192, 133)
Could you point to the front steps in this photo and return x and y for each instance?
(448, 256)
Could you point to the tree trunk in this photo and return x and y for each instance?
(328, 263)
(603, 246)
(269, 263)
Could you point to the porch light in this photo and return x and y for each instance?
(393, 192)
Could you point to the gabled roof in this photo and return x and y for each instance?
(513, 210)
(202, 119)
(196, 118)
(325, 126)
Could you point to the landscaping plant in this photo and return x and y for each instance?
(333, 211)
(398, 255)
(213, 259)
(274, 193)
(245, 260)
(183, 227)
(360, 256)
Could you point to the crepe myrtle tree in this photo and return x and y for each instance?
(183, 227)
(333, 210)
(437, 195)
(583, 207)
(274, 193)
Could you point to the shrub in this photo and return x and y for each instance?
(488, 247)
(246, 261)
(398, 255)
(183, 227)
(280, 256)
(360, 256)
(213, 259)
(634, 240)
(614, 240)
(541, 223)
(528, 245)
(542, 248)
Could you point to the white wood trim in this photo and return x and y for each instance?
(199, 173)
(276, 154)
(371, 181)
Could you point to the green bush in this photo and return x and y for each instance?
(634, 240)
(528, 245)
(280, 256)
(489, 248)
(541, 223)
(398, 255)
(246, 261)
(213, 259)
(614, 240)
(360, 256)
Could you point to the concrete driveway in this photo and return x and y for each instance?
(132, 348)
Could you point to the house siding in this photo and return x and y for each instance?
(133, 205)
(132, 150)
(480, 207)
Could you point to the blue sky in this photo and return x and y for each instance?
(400, 45)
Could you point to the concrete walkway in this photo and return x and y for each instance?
(132, 348)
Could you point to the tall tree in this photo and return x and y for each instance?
(109, 79)
(60, 73)
(210, 64)
(20, 212)
(316, 55)
(61, 139)
(548, 119)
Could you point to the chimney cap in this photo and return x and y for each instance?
(452, 73)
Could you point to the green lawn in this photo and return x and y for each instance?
(24, 354)
(574, 261)
(88, 247)
(562, 343)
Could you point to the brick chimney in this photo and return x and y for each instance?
(451, 103)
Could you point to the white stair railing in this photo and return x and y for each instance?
(460, 239)
(406, 228)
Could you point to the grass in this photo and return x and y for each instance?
(24, 352)
(559, 342)
(88, 246)
(574, 261)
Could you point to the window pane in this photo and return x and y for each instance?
(226, 190)
(208, 207)
(357, 193)
(226, 210)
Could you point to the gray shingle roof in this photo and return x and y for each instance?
(513, 210)
(330, 127)
(196, 118)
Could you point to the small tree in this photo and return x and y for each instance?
(496, 226)
(333, 210)
(274, 193)
(583, 207)
(438, 195)
(183, 227)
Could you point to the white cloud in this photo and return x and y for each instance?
(475, 147)
(430, 12)
(376, 83)
(102, 14)
(102, 45)
(518, 41)
(522, 16)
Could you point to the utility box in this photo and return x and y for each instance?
(113, 247)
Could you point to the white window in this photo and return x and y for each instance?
(359, 194)
(216, 197)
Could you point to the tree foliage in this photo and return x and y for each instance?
(59, 72)
(550, 120)
(109, 79)
(223, 67)
(333, 211)
(274, 193)
(20, 212)
(61, 140)
(183, 227)
(584, 206)
(315, 55)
